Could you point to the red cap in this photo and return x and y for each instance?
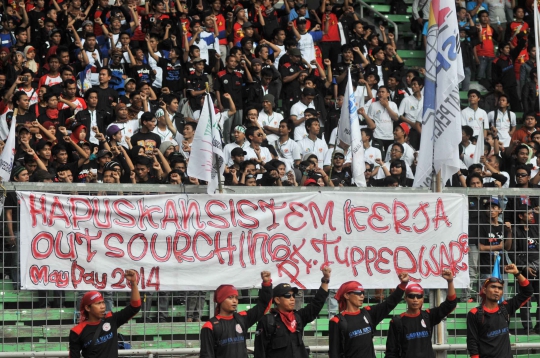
(222, 292)
(88, 299)
(414, 287)
(349, 286)
(405, 128)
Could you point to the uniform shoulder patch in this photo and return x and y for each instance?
(222, 73)
(474, 310)
(286, 65)
(238, 74)
(209, 325)
(335, 319)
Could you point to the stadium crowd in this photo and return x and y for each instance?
(111, 92)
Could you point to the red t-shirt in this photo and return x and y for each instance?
(520, 60)
(486, 48)
(520, 27)
(333, 29)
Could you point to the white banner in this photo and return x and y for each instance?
(198, 242)
(441, 117)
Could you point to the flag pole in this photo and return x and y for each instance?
(333, 152)
(215, 162)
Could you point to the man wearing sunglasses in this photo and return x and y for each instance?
(279, 334)
(410, 333)
(351, 331)
(488, 333)
(223, 336)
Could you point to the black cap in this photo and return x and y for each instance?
(41, 144)
(238, 152)
(103, 153)
(282, 289)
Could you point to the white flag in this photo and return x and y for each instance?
(206, 158)
(7, 157)
(349, 134)
(479, 149)
(441, 118)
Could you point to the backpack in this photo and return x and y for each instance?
(398, 7)
(343, 327)
(502, 310)
(217, 330)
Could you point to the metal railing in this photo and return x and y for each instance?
(22, 313)
(371, 9)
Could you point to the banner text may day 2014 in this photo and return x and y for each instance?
(198, 242)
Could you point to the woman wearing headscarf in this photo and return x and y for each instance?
(351, 331)
(410, 333)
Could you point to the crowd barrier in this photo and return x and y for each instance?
(37, 323)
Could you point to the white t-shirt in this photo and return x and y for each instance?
(228, 149)
(158, 81)
(317, 147)
(506, 184)
(276, 59)
(468, 155)
(128, 129)
(271, 121)
(379, 115)
(288, 151)
(371, 154)
(503, 123)
(32, 95)
(266, 156)
(407, 156)
(411, 108)
(475, 119)
(306, 45)
(298, 110)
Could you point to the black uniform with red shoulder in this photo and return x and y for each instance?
(224, 336)
(488, 333)
(99, 339)
(291, 91)
(351, 333)
(231, 83)
(409, 335)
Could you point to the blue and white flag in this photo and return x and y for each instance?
(349, 134)
(441, 117)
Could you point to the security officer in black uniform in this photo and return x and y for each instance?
(279, 334)
(289, 74)
(196, 82)
(231, 82)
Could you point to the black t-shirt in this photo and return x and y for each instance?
(106, 97)
(106, 345)
(27, 117)
(12, 203)
(172, 74)
(490, 235)
(141, 73)
(147, 140)
(344, 177)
